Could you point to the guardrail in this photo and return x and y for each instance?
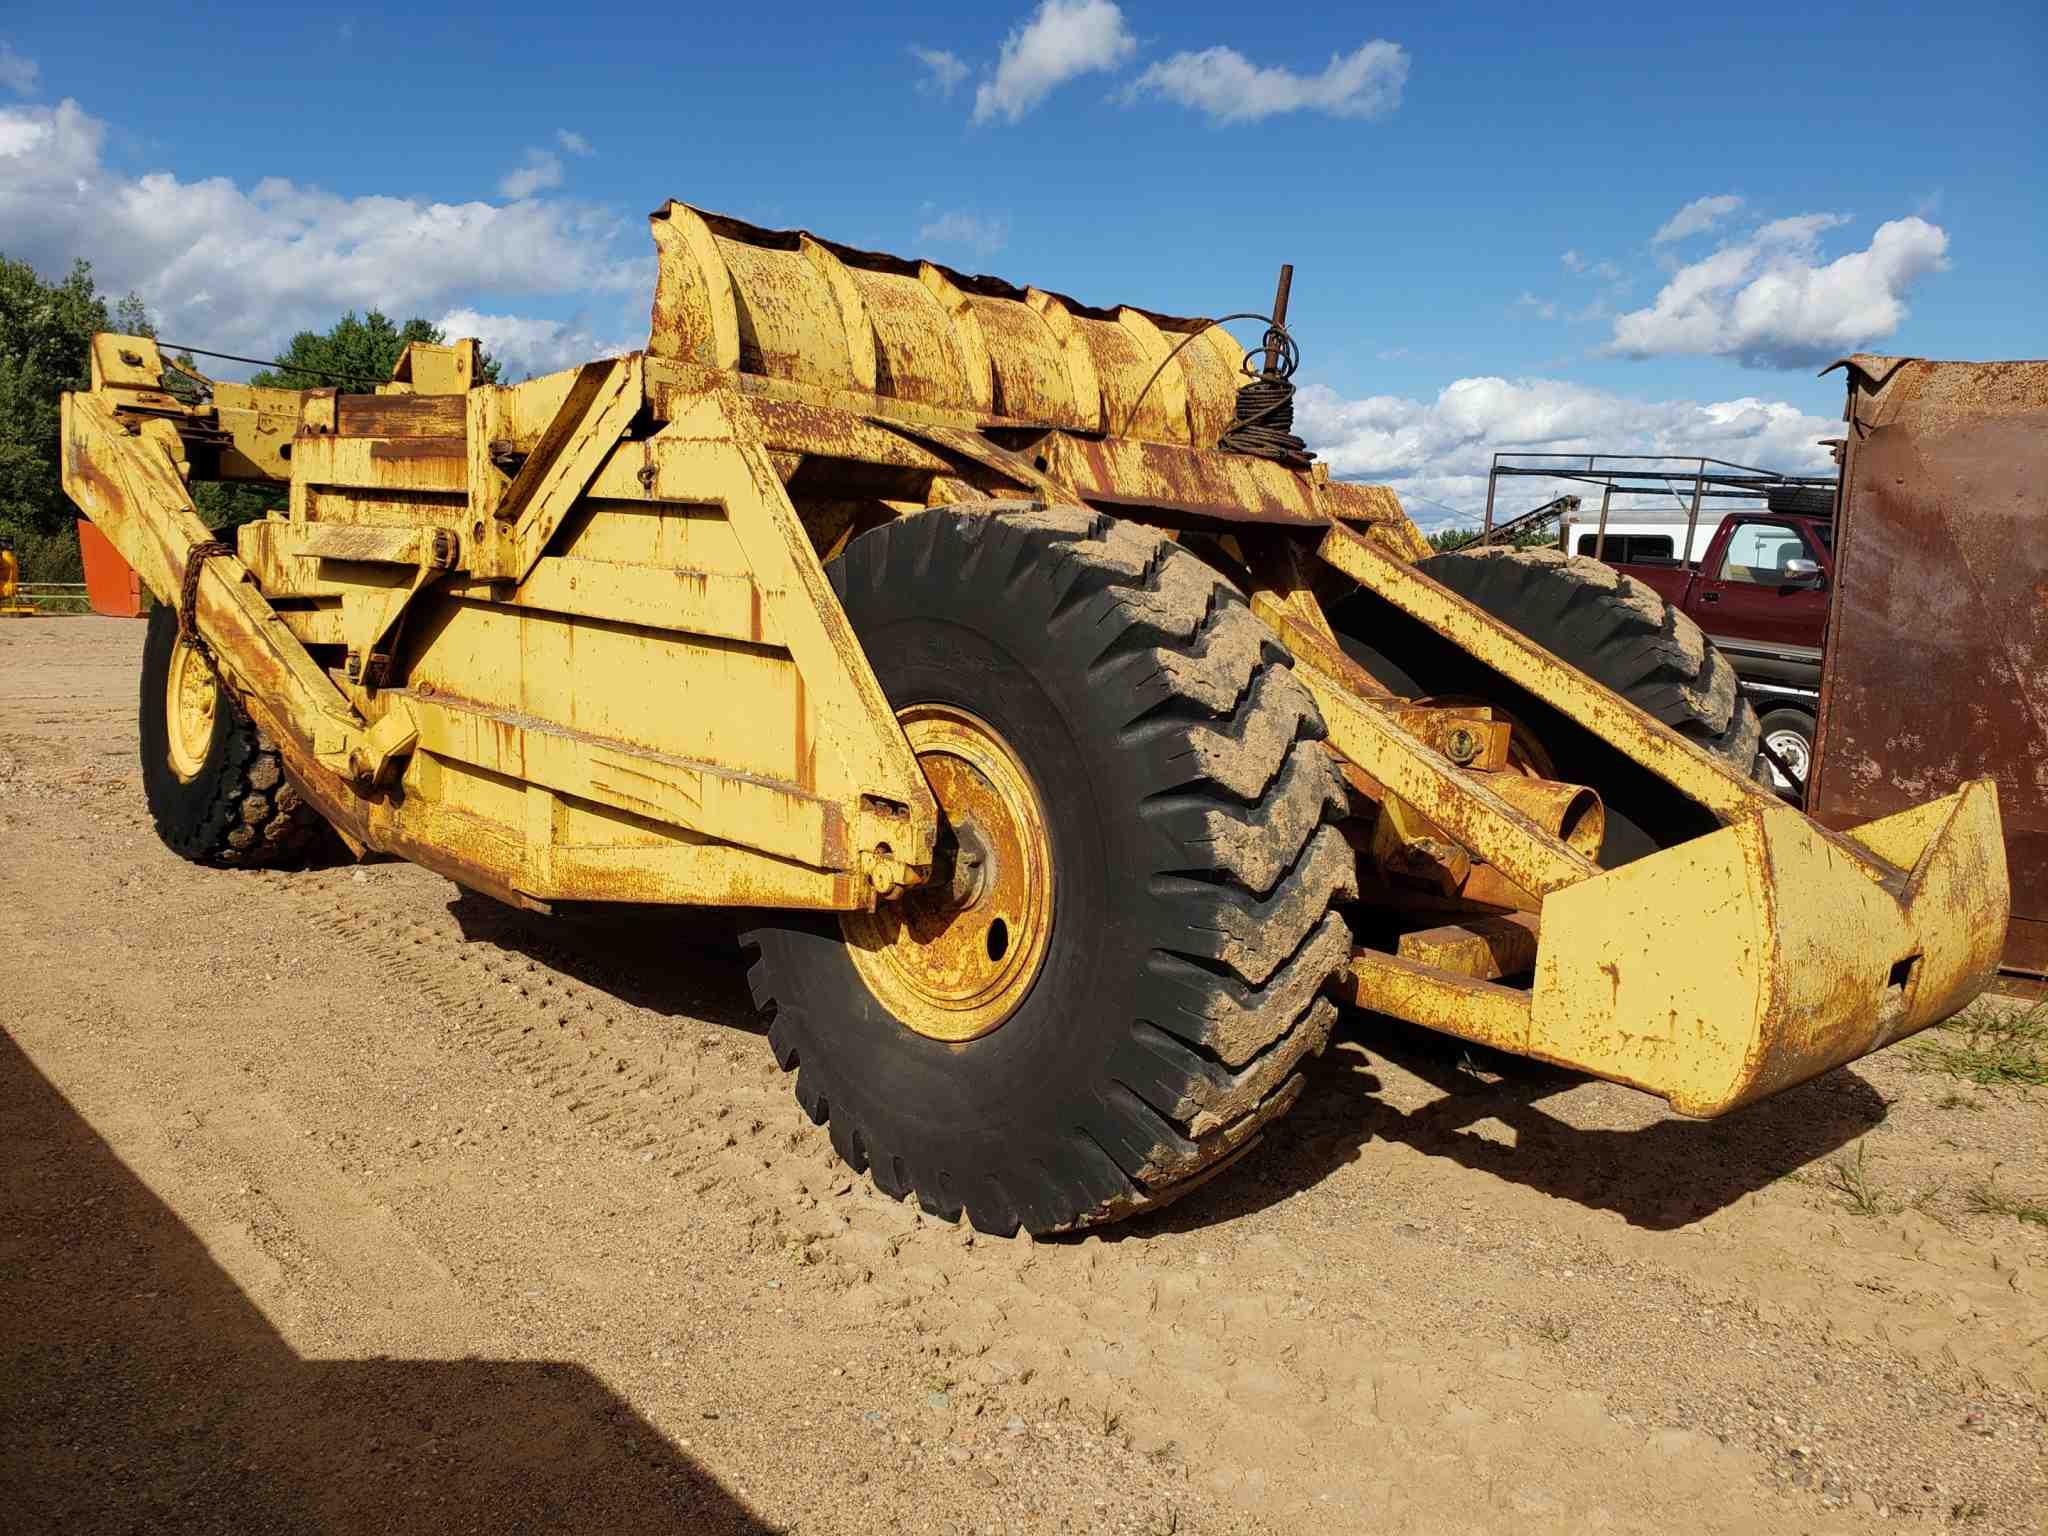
(54, 596)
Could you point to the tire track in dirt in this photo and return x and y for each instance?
(1267, 1393)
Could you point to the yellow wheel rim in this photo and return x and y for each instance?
(191, 696)
(953, 958)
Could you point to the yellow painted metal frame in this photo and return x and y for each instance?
(1712, 973)
(618, 670)
(507, 782)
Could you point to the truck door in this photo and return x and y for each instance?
(1752, 590)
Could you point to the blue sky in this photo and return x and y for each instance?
(1471, 196)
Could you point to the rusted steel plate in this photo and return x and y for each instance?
(389, 449)
(1221, 487)
(2026, 947)
(798, 427)
(399, 415)
(1937, 651)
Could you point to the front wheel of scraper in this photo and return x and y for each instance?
(1105, 988)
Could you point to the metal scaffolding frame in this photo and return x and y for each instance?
(1629, 474)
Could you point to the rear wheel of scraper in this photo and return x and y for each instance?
(1615, 629)
(214, 782)
(1104, 990)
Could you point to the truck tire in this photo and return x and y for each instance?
(1615, 629)
(214, 782)
(1789, 733)
(1138, 814)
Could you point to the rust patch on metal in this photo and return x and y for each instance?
(798, 426)
(451, 864)
(1200, 484)
(403, 448)
(806, 764)
(401, 416)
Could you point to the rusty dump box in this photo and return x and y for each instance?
(1937, 648)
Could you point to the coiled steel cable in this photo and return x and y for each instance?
(1265, 407)
(1264, 426)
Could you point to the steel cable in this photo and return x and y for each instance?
(1264, 426)
(1265, 407)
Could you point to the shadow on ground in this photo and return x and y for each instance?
(1666, 1174)
(1663, 1175)
(141, 1390)
(682, 962)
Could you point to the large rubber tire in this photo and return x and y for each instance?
(1621, 633)
(237, 810)
(1190, 808)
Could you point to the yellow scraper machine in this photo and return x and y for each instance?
(1078, 744)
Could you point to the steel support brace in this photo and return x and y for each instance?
(1691, 770)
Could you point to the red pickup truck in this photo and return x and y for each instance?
(1761, 594)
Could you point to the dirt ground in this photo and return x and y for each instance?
(345, 1201)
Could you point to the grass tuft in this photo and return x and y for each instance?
(1852, 1182)
(1988, 1044)
(1987, 1199)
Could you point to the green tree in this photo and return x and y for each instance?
(46, 331)
(1526, 538)
(45, 338)
(354, 354)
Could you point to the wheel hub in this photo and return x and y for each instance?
(1791, 746)
(191, 696)
(952, 958)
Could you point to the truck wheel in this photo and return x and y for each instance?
(1104, 990)
(1619, 632)
(214, 782)
(1789, 733)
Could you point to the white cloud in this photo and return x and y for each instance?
(1545, 309)
(572, 142)
(1435, 453)
(1062, 40)
(943, 70)
(18, 72)
(1696, 217)
(524, 346)
(1800, 231)
(242, 268)
(22, 133)
(983, 236)
(1771, 302)
(540, 170)
(1574, 262)
(1231, 89)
